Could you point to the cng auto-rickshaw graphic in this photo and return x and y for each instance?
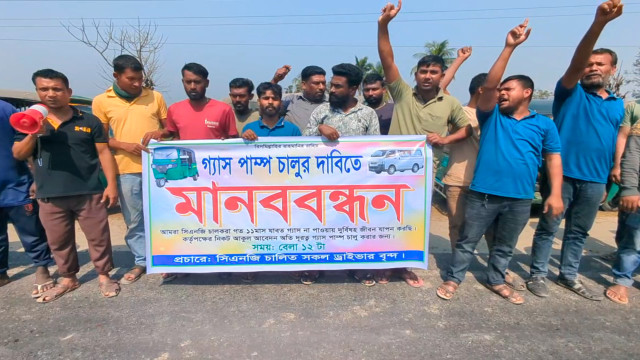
(173, 163)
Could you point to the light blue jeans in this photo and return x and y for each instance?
(628, 259)
(130, 193)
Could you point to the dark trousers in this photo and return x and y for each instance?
(58, 216)
(30, 231)
(507, 216)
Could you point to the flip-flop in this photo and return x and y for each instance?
(616, 297)
(309, 277)
(169, 277)
(516, 284)
(248, 277)
(56, 292)
(109, 288)
(39, 287)
(365, 279)
(412, 279)
(383, 276)
(125, 281)
(446, 290)
(511, 296)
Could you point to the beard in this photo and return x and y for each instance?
(240, 107)
(338, 101)
(373, 101)
(593, 84)
(269, 111)
(195, 96)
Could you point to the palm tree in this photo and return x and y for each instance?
(364, 65)
(378, 68)
(440, 48)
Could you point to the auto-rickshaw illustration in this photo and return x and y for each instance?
(173, 163)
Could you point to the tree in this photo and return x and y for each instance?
(542, 94)
(616, 82)
(636, 77)
(439, 48)
(295, 86)
(379, 69)
(140, 40)
(364, 65)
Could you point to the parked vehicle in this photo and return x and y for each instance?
(173, 163)
(392, 160)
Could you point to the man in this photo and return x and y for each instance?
(298, 107)
(628, 256)
(375, 89)
(425, 109)
(241, 94)
(69, 150)
(513, 141)
(18, 206)
(133, 114)
(342, 116)
(198, 117)
(588, 117)
(462, 162)
(270, 123)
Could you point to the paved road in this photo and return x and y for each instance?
(204, 317)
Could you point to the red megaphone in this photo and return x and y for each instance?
(30, 120)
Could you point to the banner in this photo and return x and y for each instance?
(285, 203)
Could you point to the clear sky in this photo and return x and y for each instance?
(252, 38)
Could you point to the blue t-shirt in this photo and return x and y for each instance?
(282, 128)
(15, 177)
(588, 127)
(511, 152)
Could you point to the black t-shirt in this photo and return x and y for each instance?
(65, 158)
(384, 117)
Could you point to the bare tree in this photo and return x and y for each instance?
(636, 77)
(542, 94)
(616, 82)
(140, 40)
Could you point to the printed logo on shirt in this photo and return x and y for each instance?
(83, 128)
(211, 123)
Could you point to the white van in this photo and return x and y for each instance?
(392, 160)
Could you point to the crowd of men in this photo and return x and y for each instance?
(496, 144)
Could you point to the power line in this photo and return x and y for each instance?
(323, 22)
(320, 45)
(307, 15)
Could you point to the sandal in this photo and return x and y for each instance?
(136, 271)
(309, 277)
(412, 279)
(56, 292)
(446, 290)
(578, 287)
(365, 278)
(38, 289)
(168, 277)
(109, 288)
(615, 296)
(516, 282)
(508, 294)
(383, 276)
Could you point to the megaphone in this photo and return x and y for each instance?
(30, 120)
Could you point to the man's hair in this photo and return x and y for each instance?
(196, 69)
(51, 75)
(124, 62)
(477, 82)
(373, 78)
(350, 71)
(602, 51)
(430, 60)
(524, 80)
(267, 86)
(241, 83)
(310, 71)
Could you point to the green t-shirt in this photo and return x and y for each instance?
(412, 116)
(631, 116)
